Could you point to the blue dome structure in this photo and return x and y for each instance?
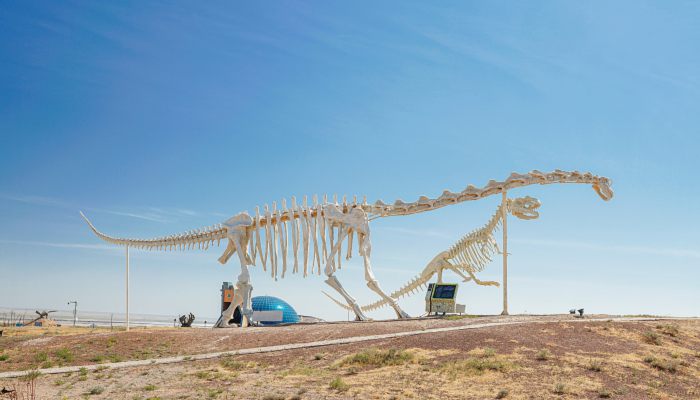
(271, 303)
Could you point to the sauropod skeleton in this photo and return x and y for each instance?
(317, 231)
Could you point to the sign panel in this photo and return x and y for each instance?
(267, 316)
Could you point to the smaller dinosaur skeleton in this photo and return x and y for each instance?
(467, 256)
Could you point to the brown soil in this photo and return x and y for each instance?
(556, 358)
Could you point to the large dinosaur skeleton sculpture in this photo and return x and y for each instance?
(468, 256)
(317, 231)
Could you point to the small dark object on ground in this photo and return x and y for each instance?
(6, 391)
(186, 320)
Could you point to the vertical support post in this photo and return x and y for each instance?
(127, 288)
(504, 210)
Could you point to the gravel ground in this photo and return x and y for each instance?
(583, 359)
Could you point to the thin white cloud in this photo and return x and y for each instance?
(651, 250)
(146, 216)
(154, 214)
(32, 199)
(60, 245)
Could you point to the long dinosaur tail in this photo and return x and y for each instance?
(200, 238)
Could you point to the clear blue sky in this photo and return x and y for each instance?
(154, 118)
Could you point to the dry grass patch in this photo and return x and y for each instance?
(301, 370)
(669, 330)
(652, 337)
(475, 366)
(661, 364)
(560, 388)
(378, 358)
(458, 317)
(595, 366)
(231, 364)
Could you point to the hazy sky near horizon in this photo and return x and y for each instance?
(158, 117)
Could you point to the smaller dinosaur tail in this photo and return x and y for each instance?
(343, 305)
(410, 287)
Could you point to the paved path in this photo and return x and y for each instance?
(320, 343)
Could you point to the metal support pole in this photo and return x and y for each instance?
(127, 288)
(504, 210)
(75, 310)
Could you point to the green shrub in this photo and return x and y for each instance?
(64, 355)
(489, 352)
(559, 388)
(96, 390)
(595, 366)
(232, 364)
(652, 338)
(149, 388)
(502, 394)
(31, 376)
(273, 397)
(339, 385)
(543, 355)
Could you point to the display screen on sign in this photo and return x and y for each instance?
(444, 292)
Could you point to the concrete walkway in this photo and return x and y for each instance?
(321, 343)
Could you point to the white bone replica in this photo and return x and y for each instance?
(469, 255)
(320, 229)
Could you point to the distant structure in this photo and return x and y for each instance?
(319, 230)
(186, 320)
(267, 310)
(42, 319)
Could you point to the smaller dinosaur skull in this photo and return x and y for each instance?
(524, 207)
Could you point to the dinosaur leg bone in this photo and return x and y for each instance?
(461, 267)
(335, 216)
(333, 282)
(357, 220)
(238, 234)
(372, 281)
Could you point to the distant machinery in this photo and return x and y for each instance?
(42, 319)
